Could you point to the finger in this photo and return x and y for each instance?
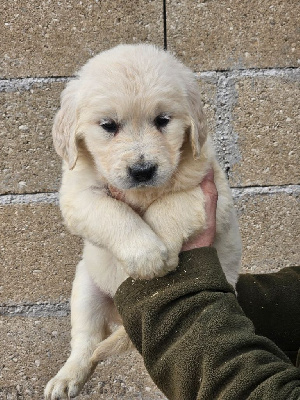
(208, 186)
(209, 176)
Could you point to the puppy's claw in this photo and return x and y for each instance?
(73, 390)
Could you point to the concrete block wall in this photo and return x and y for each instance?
(247, 60)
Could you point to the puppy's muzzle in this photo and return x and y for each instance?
(142, 172)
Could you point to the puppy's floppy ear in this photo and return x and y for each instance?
(198, 123)
(64, 127)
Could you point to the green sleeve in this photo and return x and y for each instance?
(272, 302)
(196, 341)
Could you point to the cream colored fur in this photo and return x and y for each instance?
(141, 235)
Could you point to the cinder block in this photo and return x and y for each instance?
(266, 121)
(54, 39)
(28, 162)
(230, 34)
(38, 255)
(208, 91)
(33, 350)
(270, 231)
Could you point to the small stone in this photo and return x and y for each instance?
(23, 128)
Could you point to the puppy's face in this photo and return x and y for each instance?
(132, 106)
(135, 135)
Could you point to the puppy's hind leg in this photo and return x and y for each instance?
(118, 342)
(89, 309)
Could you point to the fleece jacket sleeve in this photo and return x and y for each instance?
(195, 339)
(272, 302)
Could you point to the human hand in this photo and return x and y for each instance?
(207, 237)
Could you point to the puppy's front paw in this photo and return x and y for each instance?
(172, 261)
(68, 382)
(145, 258)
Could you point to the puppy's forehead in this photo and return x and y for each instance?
(127, 105)
(141, 82)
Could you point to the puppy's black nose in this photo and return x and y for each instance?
(142, 172)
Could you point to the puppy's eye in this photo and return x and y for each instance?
(110, 126)
(161, 121)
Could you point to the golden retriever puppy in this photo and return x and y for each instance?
(131, 126)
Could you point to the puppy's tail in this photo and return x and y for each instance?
(118, 342)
